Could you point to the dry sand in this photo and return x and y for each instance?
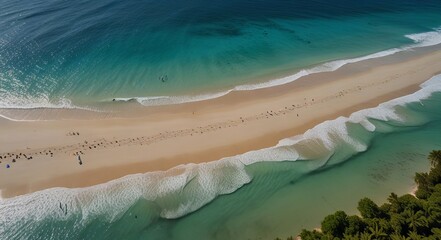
(44, 154)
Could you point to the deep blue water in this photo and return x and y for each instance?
(54, 52)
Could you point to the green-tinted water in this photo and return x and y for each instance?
(52, 53)
(373, 153)
(278, 204)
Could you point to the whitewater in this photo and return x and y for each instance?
(420, 40)
(12, 101)
(186, 188)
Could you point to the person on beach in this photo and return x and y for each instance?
(79, 159)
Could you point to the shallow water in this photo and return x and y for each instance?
(55, 52)
(278, 204)
(59, 53)
(285, 197)
(257, 195)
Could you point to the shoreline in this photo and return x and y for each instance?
(132, 108)
(158, 138)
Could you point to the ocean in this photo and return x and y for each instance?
(69, 54)
(261, 194)
(66, 54)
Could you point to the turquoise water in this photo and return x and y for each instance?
(278, 204)
(63, 53)
(256, 195)
(58, 53)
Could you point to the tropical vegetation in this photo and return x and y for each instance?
(401, 217)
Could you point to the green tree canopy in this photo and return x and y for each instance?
(355, 225)
(335, 224)
(435, 158)
(400, 218)
(368, 209)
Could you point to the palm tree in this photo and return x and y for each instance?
(377, 232)
(415, 219)
(365, 236)
(422, 179)
(435, 157)
(397, 236)
(350, 237)
(394, 202)
(436, 231)
(424, 184)
(433, 211)
(414, 236)
(393, 198)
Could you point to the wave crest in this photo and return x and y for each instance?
(420, 40)
(186, 188)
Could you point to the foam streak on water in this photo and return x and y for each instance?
(186, 188)
(68, 54)
(420, 39)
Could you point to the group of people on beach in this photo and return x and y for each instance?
(80, 148)
(15, 157)
(73, 134)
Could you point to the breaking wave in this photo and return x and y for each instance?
(186, 188)
(420, 40)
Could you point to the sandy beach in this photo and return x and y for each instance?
(45, 154)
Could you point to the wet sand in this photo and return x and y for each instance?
(45, 154)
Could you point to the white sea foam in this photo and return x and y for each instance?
(426, 39)
(168, 100)
(14, 100)
(186, 188)
(420, 40)
(20, 102)
(42, 103)
(431, 82)
(17, 99)
(177, 194)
